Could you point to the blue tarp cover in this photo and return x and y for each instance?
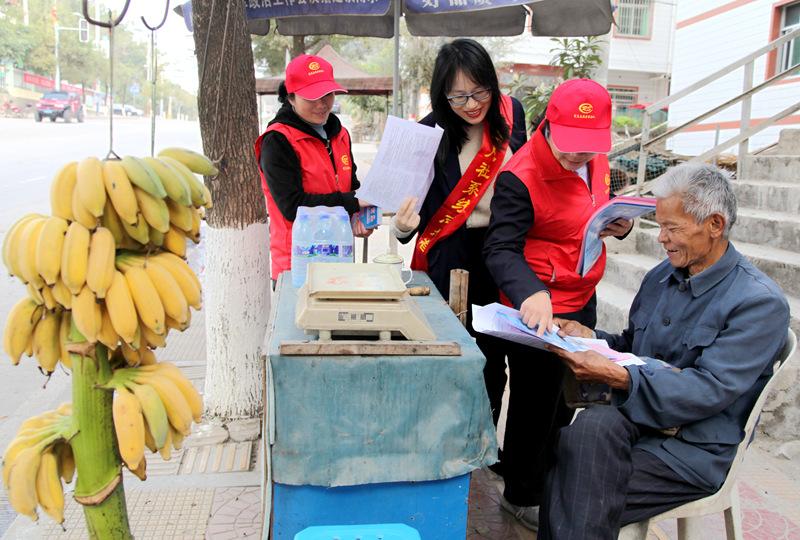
(351, 420)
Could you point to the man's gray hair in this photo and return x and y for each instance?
(705, 190)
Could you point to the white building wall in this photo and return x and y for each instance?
(650, 55)
(651, 86)
(706, 46)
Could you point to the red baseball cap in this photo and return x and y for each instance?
(311, 77)
(579, 113)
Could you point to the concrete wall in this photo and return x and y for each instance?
(709, 35)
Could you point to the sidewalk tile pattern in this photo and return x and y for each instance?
(7, 514)
(235, 513)
(217, 458)
(154, 515)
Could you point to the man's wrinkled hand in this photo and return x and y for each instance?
(591, 366)
(619, 227)
(359, 230)
(537, 310)
(572, 328)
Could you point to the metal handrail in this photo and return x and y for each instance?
(745, 97)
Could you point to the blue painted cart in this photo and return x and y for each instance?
(373, 439)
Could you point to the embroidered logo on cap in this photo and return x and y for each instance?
(585, 108)
(313, 66)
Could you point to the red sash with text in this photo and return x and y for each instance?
(465, 196)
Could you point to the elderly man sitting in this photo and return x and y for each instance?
(708, 326)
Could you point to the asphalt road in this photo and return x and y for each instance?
(30, 154)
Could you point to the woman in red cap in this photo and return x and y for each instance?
(482, 128)
(304, 156)
(543, 198)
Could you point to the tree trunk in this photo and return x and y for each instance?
(237, 285)
(298, 46)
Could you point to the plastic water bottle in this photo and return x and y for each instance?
(325, 248)
(302, 245)
(344, 236)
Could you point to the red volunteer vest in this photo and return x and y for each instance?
(319, 177)
(562, 204)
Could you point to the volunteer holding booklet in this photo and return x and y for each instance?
(543, 198)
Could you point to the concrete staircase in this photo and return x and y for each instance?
(767, 232)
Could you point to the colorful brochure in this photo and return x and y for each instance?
(618, 207)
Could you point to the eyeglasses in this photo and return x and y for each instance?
(477, 95)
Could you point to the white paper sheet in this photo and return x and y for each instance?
(505, 322)
(403, 166)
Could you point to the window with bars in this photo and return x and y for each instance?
(790, 21)
(633, 17)
(623, 96)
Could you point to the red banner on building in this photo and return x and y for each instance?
(38, 80)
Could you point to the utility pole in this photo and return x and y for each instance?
(25, 13)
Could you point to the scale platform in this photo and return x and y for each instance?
(346, 299)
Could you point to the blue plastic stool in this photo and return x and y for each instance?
(384, 531)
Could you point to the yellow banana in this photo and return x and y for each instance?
(141, 471)
(75, 257)
(184, 276)
(186, 387)
(113, 223)
(26, 252)
(173, 324)
(166, 450)
(120, 191)
(62, 294)
(49, 300)
(156, 237)
(153, 209)
(143, 176)
(180, 216)
(100, 266)
(90, 187)
(172, 298)
(49, 490)
(195, 161)
(153, 410)
(61, 191)
(146, 356)
(48, 248)
(121, 309)
(152, 339)
(35, 294)
(177, 439)
(173, 182)
(145, 298)
(20, 324)
(195, 186)
(129, 426)
(46, 344)
(194, 234)
(207, 192)
(81, 214)
(11, 241)
(178, 410)
(21, 485)
(63, 339)
(85, 313)
(107, 335)
(149, 442)
(66, 462)
(130, 355)
(175, 242)
(138, 232)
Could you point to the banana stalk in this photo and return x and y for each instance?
(99, 485)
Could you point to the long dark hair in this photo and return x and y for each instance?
(469, 56)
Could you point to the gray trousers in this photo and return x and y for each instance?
(600, 481)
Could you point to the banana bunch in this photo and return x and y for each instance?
(143, 202)
(34, 330)
(36, 461)
(154, 406)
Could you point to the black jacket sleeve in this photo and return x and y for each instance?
(281, 168)
(518, 135)
(503, 249)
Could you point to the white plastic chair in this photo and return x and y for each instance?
(690, 526)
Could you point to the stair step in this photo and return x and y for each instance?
(781, 265)
(614, 296)
(768, 195)
(766, 227)
(613, 305)
(781, 168)
(789, 142)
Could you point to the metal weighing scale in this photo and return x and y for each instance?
(358, 300)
